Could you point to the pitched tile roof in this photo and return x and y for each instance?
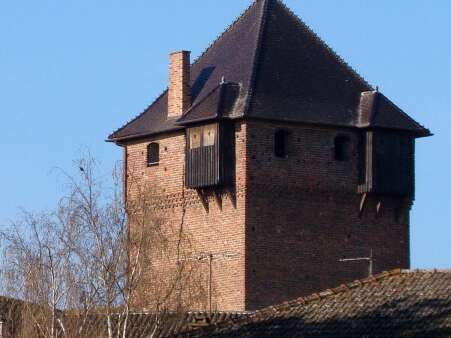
(143, 324)
(391, 304)
(285, 72)
(12, 312)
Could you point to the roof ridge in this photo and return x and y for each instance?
(257, 54)
(212, 44)
(194, 312)
(215, 41)
(318, 296)
(324, 44)
(331, 292)
(432, 270)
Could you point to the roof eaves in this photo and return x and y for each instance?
(424, 132)
(204, 119)
(409, 271)
(307, 123)
(133, 137)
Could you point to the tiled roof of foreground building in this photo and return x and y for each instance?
(283, 71)
(391, 304)
(142, 325)
(15, 321)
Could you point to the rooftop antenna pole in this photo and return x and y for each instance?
(203, 257)
(369, 259)
(210, 272)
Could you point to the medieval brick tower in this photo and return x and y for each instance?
(280, 159)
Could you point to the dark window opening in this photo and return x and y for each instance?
(153, 154)
(342, 148)
(280, 143)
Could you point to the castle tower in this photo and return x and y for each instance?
(279, 159)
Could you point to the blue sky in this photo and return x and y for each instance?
(73, 71)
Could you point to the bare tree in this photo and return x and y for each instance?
(36, 263)
(98, 255)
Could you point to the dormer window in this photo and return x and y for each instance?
(153, 154)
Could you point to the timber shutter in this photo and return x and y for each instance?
(208, 155)
(387, 163)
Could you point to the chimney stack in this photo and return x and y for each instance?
(179, 96)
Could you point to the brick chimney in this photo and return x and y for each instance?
(179, 97)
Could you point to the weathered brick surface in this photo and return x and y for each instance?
(179, 94)
(216, 227)
(290, 220)
(302, 216)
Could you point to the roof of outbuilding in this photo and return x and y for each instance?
(285, 72)
(141, 325)
(13, 311)
(391, 304)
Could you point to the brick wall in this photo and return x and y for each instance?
(302, 216)
(281, 232)
(215, 222)
(179, 94)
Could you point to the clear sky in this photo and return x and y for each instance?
(73, 71)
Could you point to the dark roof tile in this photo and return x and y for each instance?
(285, 72)
(231, 57)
